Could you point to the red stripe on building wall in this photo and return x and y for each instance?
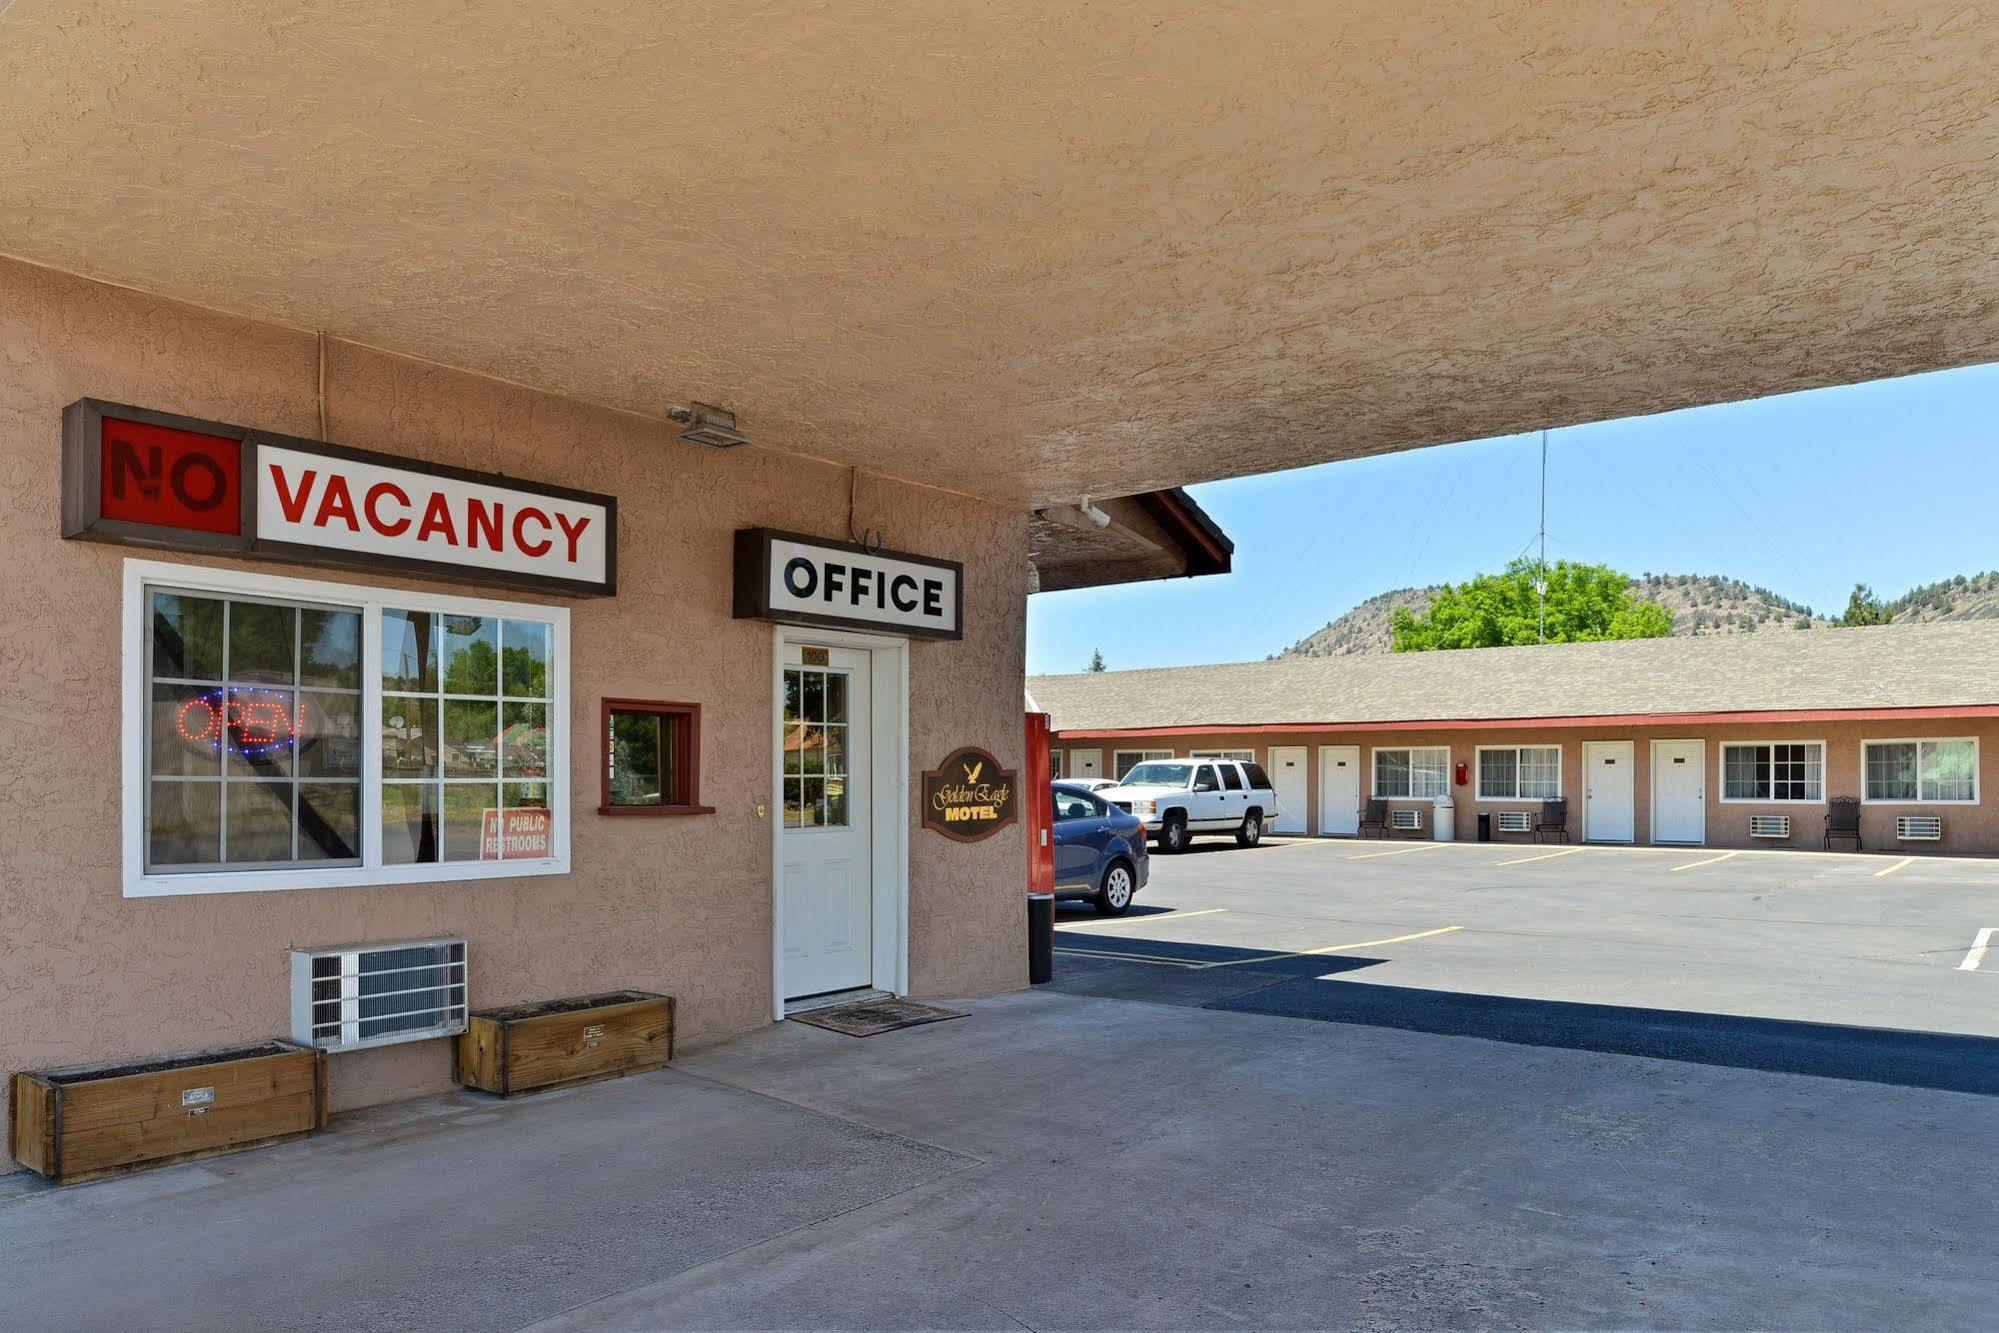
(1519, 723)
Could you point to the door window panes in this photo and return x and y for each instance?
(816, 747)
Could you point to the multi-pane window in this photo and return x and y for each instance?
(1920, 770)
(1243, 756)
(1520, 773)
(1773, 772)
(291, 733)
(254, 733)
(464, 736)
(1123, 761)
(816, 747)
(1419, 773)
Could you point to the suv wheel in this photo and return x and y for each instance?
(1114, 894)
(1173, 833)
(1251, 832)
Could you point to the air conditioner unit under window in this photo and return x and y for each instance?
(1919, 828)
(365, 995)
(1516, 821)
(1405, 819)
(1769, 826)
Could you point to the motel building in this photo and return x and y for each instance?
(347, 695)
(1739, 741)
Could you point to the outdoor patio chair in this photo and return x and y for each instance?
(1374, 815)
(1554, 820)
(1842, 820)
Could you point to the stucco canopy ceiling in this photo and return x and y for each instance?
(1041, 250)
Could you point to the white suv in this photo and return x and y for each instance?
(1178, 798)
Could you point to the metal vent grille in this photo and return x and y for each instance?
(1516, 821)
(1405, 819)
(1919, 828)
(363, 995)
(1769, 826)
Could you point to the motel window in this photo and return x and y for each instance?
(1123, 761)
(652, 758)
(1244, 756)
(1773, 772)
(255, 768)
(1417, 773)
(1055, 764)
(1932, 771)
(1520, 773)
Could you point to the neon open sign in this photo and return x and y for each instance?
(248, 722)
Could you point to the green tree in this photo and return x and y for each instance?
(1586, 603)
(1864, 608)
(1097, 661)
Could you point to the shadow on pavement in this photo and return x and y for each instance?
(1944, 1061)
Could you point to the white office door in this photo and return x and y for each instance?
(1287, 775)
(828, 827)
(1339, 791)
(1086, 763)
(1679, 791)
(1610, 791)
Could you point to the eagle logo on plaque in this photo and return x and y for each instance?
(969, 796)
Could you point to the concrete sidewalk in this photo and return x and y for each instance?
(1062, 1161)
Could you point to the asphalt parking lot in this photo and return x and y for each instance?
(1840, 965)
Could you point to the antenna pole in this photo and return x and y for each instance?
(1542, 582)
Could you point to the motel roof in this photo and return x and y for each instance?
(1951, 667)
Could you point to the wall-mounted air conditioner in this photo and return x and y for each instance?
(1769, 826)
(363, 995)
(1515, 821)
(1405, 819)
(1919, 828)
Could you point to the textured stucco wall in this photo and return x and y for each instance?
(1967, 828)
(679, 905)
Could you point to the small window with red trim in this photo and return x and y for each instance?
(652, 758)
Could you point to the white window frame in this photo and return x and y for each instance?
(1144, 757)
(1240, 756)
(1478, 774)
(1374, 770)
(142, 575)
(1721, 773)
(1977, 774)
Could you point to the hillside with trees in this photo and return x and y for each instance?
(1700, 604)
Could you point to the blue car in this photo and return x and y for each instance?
(1100, 851)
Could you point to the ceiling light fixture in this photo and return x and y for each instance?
(708, 425)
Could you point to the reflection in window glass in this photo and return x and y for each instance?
(230, 733)
(816, 748)
(453, 742)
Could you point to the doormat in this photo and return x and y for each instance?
(869, 1017)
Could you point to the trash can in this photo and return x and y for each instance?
(1446, 818)
(1484, 826)
(1040, 938)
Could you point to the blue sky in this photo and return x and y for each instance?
(1893, 483)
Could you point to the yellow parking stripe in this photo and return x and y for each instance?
(1902, 864)
(1399, 851)
(1549, 856)
(1085, 927)
(1696, 865)
(1336, 948)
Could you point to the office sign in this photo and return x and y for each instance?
(969, 796)
(148, 478)
(801, 580)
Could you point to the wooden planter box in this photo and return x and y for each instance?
(92, 1121)
(559, 1043)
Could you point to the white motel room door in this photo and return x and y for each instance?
(1610, 791)
(1339, 791)
(1679, 791)
(1287, 776)
(1086, 763)
(828, 886)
